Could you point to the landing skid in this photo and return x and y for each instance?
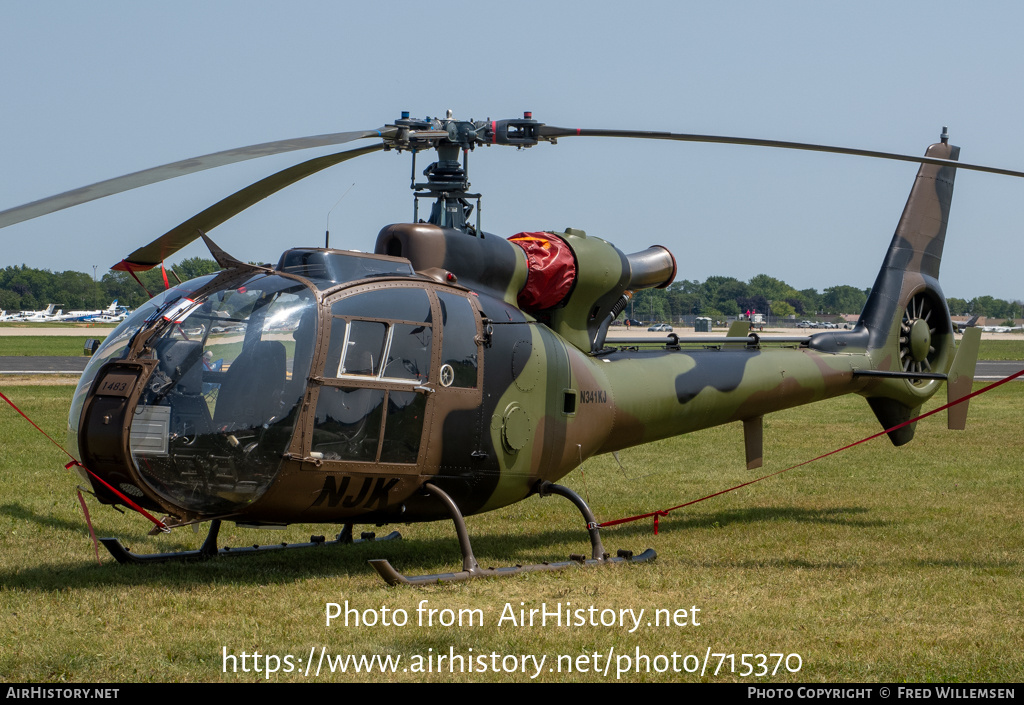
(471, 569)
(209, 548)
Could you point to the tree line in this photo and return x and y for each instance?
(722, 297)
(26, 289)
(719, 297)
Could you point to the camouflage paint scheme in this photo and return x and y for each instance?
(551, 391)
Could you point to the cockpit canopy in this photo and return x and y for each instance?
(228, 360)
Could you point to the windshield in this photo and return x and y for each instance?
(218, 412)
(115, 346)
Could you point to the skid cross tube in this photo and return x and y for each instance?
(471, 568)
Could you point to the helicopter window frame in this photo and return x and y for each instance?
(388, 419)
(403, 400)
(421, 303)
(379, 368)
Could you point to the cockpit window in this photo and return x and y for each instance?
(373, 404)
(363, 348)
(219, 409)
(386, 304)
(396, 348)
(115, 346)
(326, 268)
(408, 354)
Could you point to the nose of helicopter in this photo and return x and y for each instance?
(212, 403)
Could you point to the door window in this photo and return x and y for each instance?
(372, 405)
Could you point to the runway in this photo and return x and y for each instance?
(23, 365)
(992, 370)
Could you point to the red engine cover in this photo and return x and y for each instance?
(552, 270)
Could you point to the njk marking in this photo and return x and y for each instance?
(332, 493)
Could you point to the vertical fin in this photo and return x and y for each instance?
(915, 253)
(753, 441)
(960, 378)
(739, 329)
(889, 413)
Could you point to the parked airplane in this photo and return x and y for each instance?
(49, 314)
(1002, 329)
(111, 313)
(961, 326)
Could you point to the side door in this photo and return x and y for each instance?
(375, 394)
(458, 447)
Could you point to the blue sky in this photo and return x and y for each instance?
(95, 90)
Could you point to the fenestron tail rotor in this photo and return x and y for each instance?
(918, 333)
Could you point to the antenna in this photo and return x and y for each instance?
(327, 235)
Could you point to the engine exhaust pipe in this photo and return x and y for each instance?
(654, 267)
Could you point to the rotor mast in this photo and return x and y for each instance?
(448, 177)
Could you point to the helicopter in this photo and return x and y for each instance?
(453, 371)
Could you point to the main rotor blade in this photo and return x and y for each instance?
(173, 240)
(109, 187)
(550, 131)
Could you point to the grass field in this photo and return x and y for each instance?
(45, 345)
(877, 564)
(1001, 350)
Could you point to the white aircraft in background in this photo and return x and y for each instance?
(1002, 329)
(111, 313)
(49, 314)
(961, 326)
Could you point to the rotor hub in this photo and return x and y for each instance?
(920, 340)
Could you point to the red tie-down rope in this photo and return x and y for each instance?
(163, 527)
(664, 512)
(88, 522)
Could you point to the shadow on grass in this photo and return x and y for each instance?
(281, 567)
(417, 555)
(410, 556)
(18, 511)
